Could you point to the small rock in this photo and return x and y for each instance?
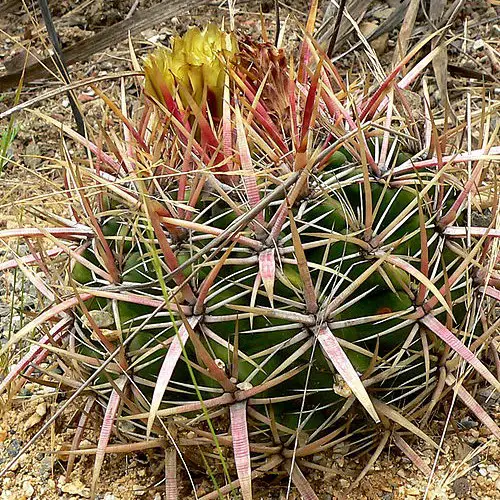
(461, 487)
(41, 409)
(467, 423)
(45, 467)
(379, 45)
(108, 496)
(76, 487)
(14, 447)
(487, 396)
(497, 484)
(478, 44)
(483, 220)
(483, 472)
(32, 155)
(34, 419)
(383, 14)
(475, 459)
(462, 450)
(344, 483)
(28, 489)
(367, 28)
(103, 319)
(3, 434)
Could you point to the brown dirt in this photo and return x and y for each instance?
(468, 466)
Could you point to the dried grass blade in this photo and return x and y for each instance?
(406, 31)
(42, 318)
(36, 353)
(27, 260)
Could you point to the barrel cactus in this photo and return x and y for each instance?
(268, 260)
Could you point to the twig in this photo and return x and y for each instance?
(132, 9)
(61, 65)
(338, 20)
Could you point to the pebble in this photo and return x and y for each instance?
(478, 44)
(32, 155)
(76, 487)
(483, 472)
(474, 433)
(28, 489)
(467, 423)
(383, 14)
(33, 419)
(497, 484)
(461, 487)
(344, 483)
(14, 447)
(45, 467)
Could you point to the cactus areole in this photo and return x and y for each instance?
(277, 267)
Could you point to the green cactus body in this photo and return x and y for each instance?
(340, 294)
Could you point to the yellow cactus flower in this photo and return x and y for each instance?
(195, 60)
